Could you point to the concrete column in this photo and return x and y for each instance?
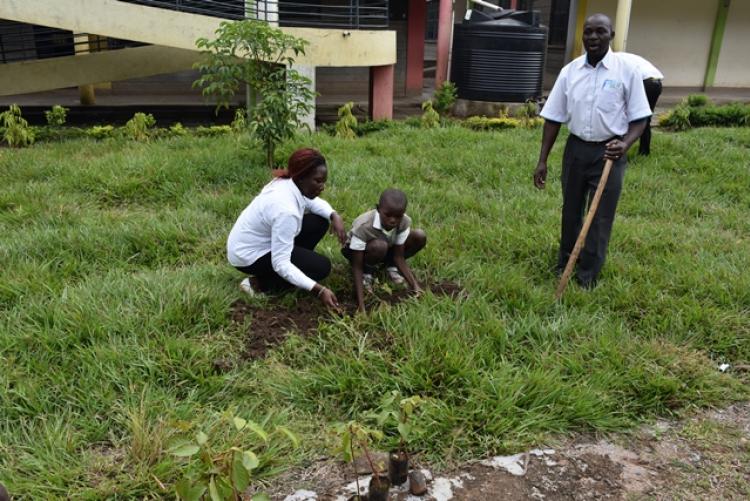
(622, 24)
(381, 92)
(580, 21)
(417, 21)
(308, 72)
(86, 93)
(717, 39)
(445, 31)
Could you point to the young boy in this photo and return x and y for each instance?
(383, 235)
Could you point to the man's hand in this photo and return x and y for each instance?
(615, 149)
(540, 175)
(337, 228)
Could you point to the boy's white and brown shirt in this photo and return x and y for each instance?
(368, 227)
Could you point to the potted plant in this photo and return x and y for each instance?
(397, 412)
(355, 435)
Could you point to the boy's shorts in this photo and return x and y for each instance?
(346, 251)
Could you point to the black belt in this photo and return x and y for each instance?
(595, 142)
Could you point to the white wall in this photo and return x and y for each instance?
(734, 59)
(675, 35)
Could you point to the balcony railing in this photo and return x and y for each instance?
(23, 42)
(353, 14)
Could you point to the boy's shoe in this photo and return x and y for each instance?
(247, 287)
(395, 276)
(367, 281)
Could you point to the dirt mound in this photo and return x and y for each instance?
(271, 323)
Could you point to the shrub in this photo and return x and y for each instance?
(100, 131)
(684, 116)
(258, 55)
(697, 100)
(214, 130)
(239, 123)
(56, 116)
(347, 122)
(370, 126)
(219, 460)
(484, 123)
(139, 127)
(177, 129)
(430, 117)
(15, 129)
(445, 97)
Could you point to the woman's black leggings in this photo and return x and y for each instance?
(304, 257)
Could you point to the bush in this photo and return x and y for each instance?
(370, 126)
(139, 127)
(484, 123)
(685, 116)
(177, 129)
(214, 130)
(100, 131)
(239, 123)
(347, 122)
(56, 116)
(430, 117)
(15, 129)
(445, 97)
(258, 55)
(695, 100)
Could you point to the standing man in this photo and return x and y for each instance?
(652, 78)
(601, 99)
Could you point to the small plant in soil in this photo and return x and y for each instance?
(139, 128)
(220, 465)
(430, 117)
(396, 412)
(355, 437)
(15, 129)
(347, 122)
(56, 116)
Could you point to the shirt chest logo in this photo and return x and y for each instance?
(610, 84)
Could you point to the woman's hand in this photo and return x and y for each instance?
(327, 297)
(337, 227)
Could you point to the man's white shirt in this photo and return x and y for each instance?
(270, 224)
(597, 103)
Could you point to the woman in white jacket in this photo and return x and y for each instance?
(274, 238)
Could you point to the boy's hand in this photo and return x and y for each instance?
(337, 227)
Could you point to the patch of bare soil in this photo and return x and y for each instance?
(706, 456)
(271, 323)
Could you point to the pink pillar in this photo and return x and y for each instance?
(381, 92)
(417, 19)
(443, 41)
(513, 4)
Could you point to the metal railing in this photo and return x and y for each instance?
(24, 42)
(353, 14)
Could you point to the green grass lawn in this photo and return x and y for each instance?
(115, 293)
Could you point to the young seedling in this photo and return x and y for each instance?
(223, 469)
(399, 411)
(353, 436)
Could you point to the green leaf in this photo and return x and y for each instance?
(186, 450)
(250, 461)
(404, 430)
(291, 436)
(188, 492)
(239, 423)
(213, 491)
(258, 430)
(201, 438)
(240, 474)
(260, 497)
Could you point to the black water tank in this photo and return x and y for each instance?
(499, 59)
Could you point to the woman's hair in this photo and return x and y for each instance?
(300, 163)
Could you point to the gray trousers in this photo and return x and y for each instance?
(582, 168)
